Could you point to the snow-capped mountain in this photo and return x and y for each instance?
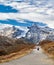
(50, 37)
(12, 31)
(33, 34)
(37, 33)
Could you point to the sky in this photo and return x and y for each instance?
(27, 12)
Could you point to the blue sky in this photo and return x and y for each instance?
(7, 9)
(17, 23)
(40, 12)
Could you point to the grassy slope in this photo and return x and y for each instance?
(13, 48)
(48, 47)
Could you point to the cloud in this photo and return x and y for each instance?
(34, 17)
(43, 12)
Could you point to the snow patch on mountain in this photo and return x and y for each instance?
(36, 34)
(12, 31)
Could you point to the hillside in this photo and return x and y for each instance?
(48, 47)
(13, 48)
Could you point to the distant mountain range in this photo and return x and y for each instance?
(37, 33)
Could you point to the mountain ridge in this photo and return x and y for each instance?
(34, 33)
